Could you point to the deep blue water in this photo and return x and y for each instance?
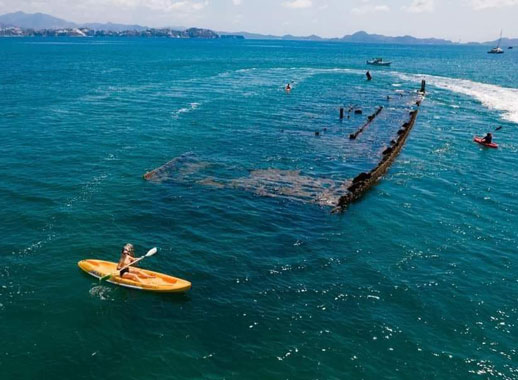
(417, 280)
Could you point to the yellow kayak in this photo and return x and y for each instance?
(159, 283)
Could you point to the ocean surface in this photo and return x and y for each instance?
(417, 280)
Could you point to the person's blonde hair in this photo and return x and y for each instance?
(129, 247)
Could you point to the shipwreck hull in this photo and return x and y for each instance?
(364, 181)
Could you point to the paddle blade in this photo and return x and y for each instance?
(105, 277)
(499, 128)
(151, 252)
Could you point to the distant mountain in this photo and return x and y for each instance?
(505, 42)
(38, 21)
(366, 38)
(34, 21)
(258, 36)
(302, 38)
(358, 37)
(110, 27)
(251, 36)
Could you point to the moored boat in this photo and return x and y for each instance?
(378, 62)
(497, 49)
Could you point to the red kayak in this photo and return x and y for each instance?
(481, 142)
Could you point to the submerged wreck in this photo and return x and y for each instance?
(370, 119)
(364, 181)
(296, 185)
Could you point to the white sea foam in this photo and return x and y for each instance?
(102, 292)
(192, 107)
(340, 70)
(87, 190)
(246, 70)
(491, 96)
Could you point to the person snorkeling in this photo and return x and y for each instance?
(127, 257)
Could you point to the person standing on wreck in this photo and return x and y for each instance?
(368, 74)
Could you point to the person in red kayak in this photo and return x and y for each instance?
(488, 138)
(127, 257)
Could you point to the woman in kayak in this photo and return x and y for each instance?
(127, 257)
(488, 138)
(288, 87)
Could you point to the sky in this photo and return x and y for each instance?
(456, 20)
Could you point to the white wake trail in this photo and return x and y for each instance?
(491, 96)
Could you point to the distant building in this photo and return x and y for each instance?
(85, 32)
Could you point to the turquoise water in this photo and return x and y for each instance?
(417, 280)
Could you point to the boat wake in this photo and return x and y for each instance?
(491, 96)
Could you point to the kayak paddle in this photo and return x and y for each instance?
(498, 128)
(151, 252)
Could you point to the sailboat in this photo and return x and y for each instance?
(497, 49)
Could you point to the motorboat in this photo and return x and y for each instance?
(378, 62)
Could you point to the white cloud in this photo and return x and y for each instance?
(236, 2)
(182, 6)
(185, 6)
(237, 19)
(484, 4)
(420, 6)
(364, 9)
(298, 4)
